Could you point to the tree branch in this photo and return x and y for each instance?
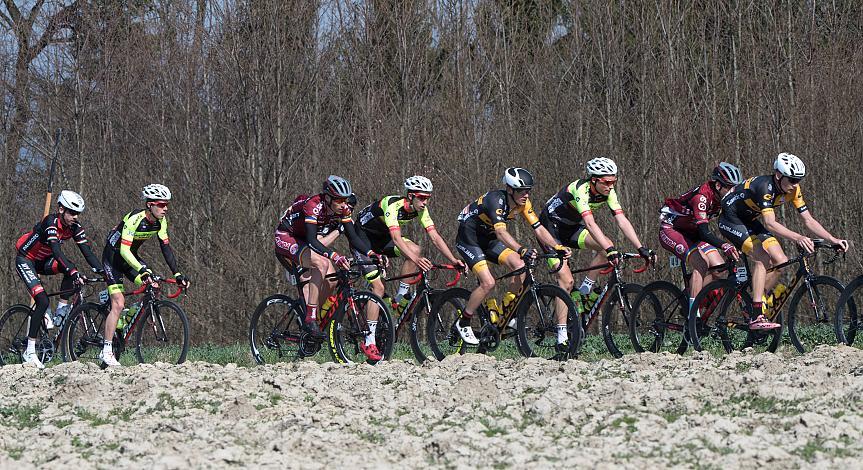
(56, 22)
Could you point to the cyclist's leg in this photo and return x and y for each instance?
(585, 240)
(469, 248)
(27, 271)
(408, 266)
(686, 250)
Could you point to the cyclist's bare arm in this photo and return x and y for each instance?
(768, 219)
(441, 245)
(507, 239)
(627, 229)
(819, 231)
(594, 230)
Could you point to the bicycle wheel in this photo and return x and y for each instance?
(14, 327)
(446, 311)
(349, 329)
(163, 334)
(83, 333)
(537, 321)
(659, 319)
(616, 316)
(419, 319)
(846, 323)
(275, 332)
(810, 322)
(705, 333)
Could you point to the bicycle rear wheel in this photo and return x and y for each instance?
(418, 323)
(275, 333)
(659, 319)
(163, 334)
(812, 311)
(447, 309)
(537, 322)
(616, 316)
(83, 334)
(14, 327)
(349, 328)
(847, 322)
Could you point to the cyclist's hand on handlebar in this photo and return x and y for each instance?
(527, 253)
(806, 243)
(379, 259)
(647, 254)
(612, 255)
(182, 281)
(563, 251)
(842, 245)
(424, 263)
(731, 251)
(77, 278)
(147, 277)
(460, 264)
(341, 262)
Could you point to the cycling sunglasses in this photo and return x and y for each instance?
(794, 180)
(160, 204)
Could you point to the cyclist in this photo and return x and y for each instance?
(685, 229)
(568, 216)
(748, 220)
(297, 244)
(482, 237)
(39, 253)
(120, 256)
(380, 225)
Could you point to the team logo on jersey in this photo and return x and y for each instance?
(680, 249)
(499, 211)
(293, 248)
(768, 197)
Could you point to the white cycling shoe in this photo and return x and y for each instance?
(31, 359)
(466, 333)
(108, 359)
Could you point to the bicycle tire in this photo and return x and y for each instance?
(446, 310)
(163, 334)
(703, 330)
(826, 293)
(14, 327)
(275, 330)
(613, 330)
(420, 312)
(537, 328)
(659, 315)
(82, 336)
(847, 320)
(344, 333)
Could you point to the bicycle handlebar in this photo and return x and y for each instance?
(417, 276)
(623, 257)
(157, 279)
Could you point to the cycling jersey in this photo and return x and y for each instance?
(128, 236)
(476, 239)
(755, 196)
(492, 210)
(386, 214)
(301, 223)
(574, 201)
(46, 237)
(691, 209)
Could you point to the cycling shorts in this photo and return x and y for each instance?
(476, 250)
(681, 244)
(745, 236)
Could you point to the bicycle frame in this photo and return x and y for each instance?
(151, 296)
(615, 282)
(423, 293)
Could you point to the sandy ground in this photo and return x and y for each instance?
(642, 410)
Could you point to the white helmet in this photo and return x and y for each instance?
(419, 184)
(601, 166)
(518, 178)
(789, 165)
(71, 200)
(156, 192)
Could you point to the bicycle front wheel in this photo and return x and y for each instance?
(83, 334)
(538, 319)
(812, 311)
(418, 322)
(349, 329)
(659, 319)
(163, 334)
(275, 330)
(847, 321)
(616, 317)
(14, 327)
(448, 308)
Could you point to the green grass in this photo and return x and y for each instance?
(21, 416)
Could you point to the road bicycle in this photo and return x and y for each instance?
(14, 328)
(534, 308)
(157, 328)
(420, 306)
(614, 301)
(276, 333)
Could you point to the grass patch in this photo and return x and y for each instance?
(15, 452)
(625, 421)
(90, 417)
(21, 416)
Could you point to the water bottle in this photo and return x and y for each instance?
(741, 274)
(49, 322)
(60, 314)
(493, 310)
(127, 315)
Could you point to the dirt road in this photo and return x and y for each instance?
(643, 410)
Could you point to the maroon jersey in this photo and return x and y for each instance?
(311, 210)
(36, 244)
(692, 208)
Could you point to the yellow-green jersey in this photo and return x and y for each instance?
(383, 216)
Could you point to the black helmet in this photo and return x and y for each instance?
(337, 187)
(518, 178)
(726, 174)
